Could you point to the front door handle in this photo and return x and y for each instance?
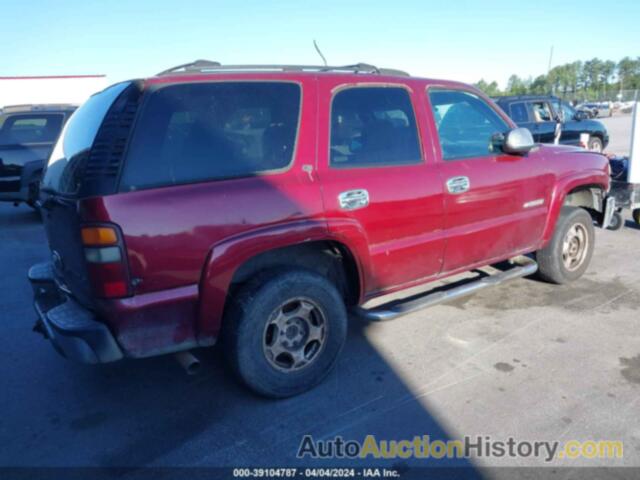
(458, 185)
(353, 199)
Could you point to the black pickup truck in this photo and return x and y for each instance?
(542, 115)
(27, 136)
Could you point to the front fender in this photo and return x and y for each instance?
(592, 177)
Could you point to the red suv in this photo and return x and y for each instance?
(256, 205)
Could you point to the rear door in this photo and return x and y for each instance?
(571, 130)
(496, 203)
(377, 181)
(521, 114)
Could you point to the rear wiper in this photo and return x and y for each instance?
(52, 199)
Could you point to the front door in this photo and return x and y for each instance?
(544, 123)
(496, 203)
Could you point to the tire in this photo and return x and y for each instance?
(616, 222)
(636, 215)
(34, 195)
(559, 262)
(252, 336)
(595, 145)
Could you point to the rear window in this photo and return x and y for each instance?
(208, 131)
(519, 112)
(70, 153)
(30, 128)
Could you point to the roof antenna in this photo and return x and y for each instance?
(315, 44)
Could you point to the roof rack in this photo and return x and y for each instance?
(208, 66)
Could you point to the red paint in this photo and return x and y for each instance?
(184, 243)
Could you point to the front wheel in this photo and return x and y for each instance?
(284, 331)
(595, 145)
(567, 256)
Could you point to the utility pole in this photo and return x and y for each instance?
(549, 68)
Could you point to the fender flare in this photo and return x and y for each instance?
(227, 256)
(564, 185)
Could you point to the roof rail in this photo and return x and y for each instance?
(208, 66)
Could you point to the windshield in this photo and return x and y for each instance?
(568, 112)
(65, 163)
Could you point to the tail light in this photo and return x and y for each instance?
(106, 262)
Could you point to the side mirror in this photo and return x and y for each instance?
(518, 141)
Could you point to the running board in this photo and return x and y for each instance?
(522, 267)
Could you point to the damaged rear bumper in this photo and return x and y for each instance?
(73, 330)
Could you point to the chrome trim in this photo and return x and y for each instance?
(523, 267)
(534, 203)
(353, 199)
(457, 185)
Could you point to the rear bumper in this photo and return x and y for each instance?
(73, 330)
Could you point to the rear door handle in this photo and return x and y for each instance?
(456, 185)
(353, 199)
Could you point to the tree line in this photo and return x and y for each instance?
(593, 78)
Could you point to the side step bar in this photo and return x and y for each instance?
(522, 267)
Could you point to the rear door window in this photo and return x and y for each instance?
(466, 124)
(208, 131)
(519, 112)
(373, 126)
(30, 128)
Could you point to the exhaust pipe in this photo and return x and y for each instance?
(187, 361)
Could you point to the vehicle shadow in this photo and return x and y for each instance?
(209, 420)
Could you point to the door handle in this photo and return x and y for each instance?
(353, 199)
(458, 185)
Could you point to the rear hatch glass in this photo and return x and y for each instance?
(63, 172)
(61, 188)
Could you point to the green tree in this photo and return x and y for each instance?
(516, 86)
(629, 73)
(490, 89)
(539, 86)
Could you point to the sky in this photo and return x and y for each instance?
(452, 39)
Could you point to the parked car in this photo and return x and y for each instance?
(599, 109)
(27, 136)
(589, 111)
(541, 115)
(257, 205)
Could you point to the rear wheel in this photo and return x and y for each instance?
(567, 256)
(284, 331)
(34, 195)
(595, 144)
